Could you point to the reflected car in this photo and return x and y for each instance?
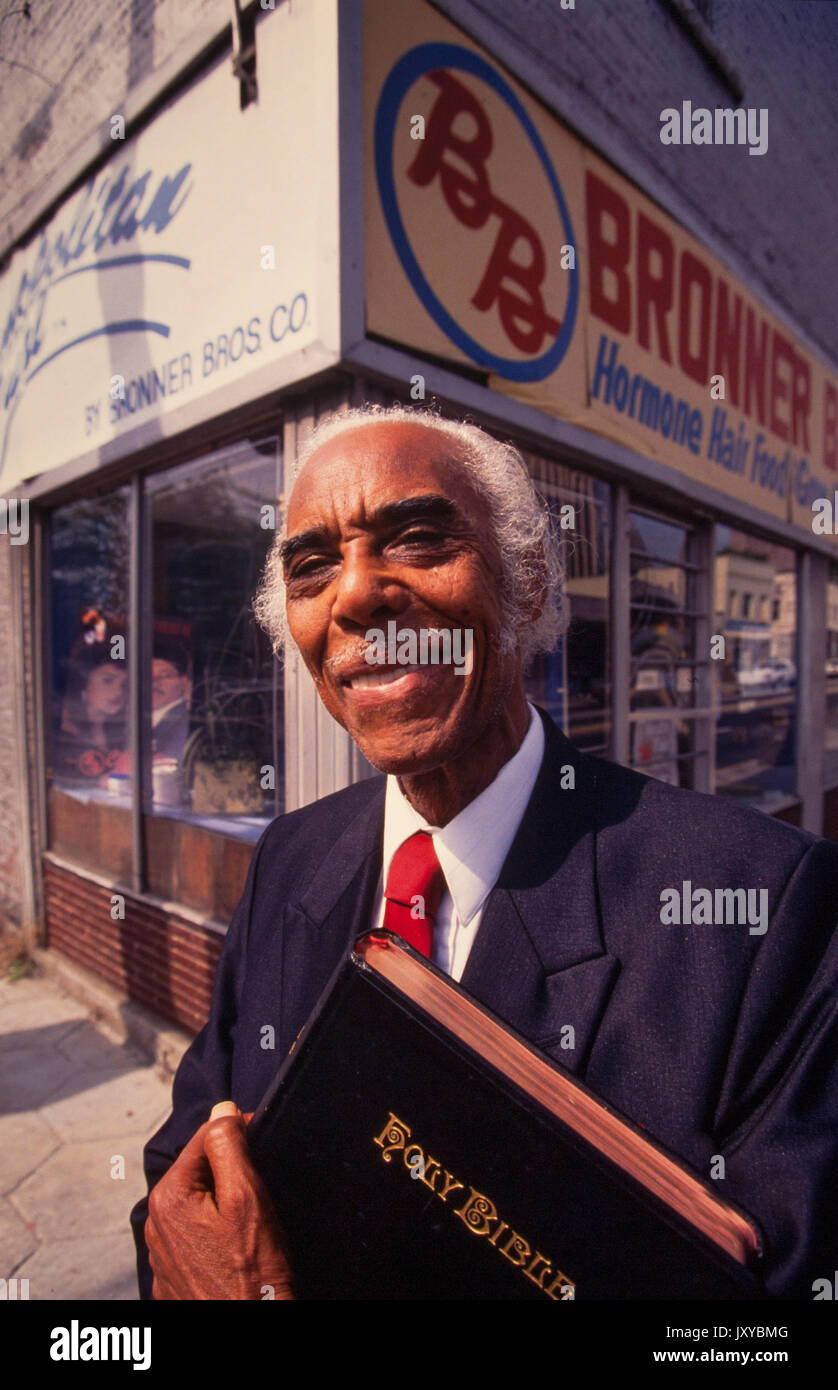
(775, 673)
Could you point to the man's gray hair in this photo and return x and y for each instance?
(523, 529)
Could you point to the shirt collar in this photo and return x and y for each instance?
(473, 846)
(157, 715)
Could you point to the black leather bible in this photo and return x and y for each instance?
(416, 1148)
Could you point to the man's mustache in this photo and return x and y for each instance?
(357, 654)
(344, 660)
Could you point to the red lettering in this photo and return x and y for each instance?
(694, 274)
(524, 317)
(653, 290)
(830, 426)
(728, 340)
(468, 196)
(801, 402)
(755, 359)
(608, 257)
(781, 351)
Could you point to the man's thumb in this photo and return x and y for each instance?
(224, 1107)
(226, 1148)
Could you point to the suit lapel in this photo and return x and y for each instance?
(334, 909)
(539, 960)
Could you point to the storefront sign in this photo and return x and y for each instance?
(498, 240)
(203, 253)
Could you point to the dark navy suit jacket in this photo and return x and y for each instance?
(716, 1040)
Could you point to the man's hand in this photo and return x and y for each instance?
(212, 1231)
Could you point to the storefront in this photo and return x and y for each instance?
(431, 232)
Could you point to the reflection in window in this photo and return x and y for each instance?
(572, 682)
(88, 601)
(89, 764)
(213, 680)
(665, 664)
(757, 673)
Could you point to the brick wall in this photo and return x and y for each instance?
(155, 957)
(67, 70)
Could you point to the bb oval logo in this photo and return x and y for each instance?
(511, 293)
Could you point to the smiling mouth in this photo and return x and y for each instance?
(389, 683)
(376, 679)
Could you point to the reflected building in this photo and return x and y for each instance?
(744, 597)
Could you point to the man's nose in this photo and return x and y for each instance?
(366, 589)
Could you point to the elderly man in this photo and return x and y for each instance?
(544, 869)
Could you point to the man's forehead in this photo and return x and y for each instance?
(364, 468)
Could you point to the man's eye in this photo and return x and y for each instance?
(420, 535)
(304, 569)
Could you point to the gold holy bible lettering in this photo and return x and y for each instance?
(477, 1211)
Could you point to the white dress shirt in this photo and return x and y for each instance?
(158, 714)
(471, 848)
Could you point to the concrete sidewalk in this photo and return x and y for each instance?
(74, 1101)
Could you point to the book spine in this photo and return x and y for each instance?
(343, 974)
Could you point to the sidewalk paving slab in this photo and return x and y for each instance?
(26, 1140)
(17, 1240)
(74, 1099)
(95, 1267)
(72, 1194)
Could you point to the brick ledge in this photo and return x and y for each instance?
(120, 1018)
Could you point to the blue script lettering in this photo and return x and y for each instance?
(109, 212)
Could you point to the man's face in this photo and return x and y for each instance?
(167, 683)
(383, 526)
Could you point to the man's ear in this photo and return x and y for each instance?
(534, 606)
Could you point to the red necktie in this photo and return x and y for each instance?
(415, 885)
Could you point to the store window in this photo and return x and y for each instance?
(214, 750)
(756, 685)
(668, 690)
(572, 683)
(212, 703)
(88, 737)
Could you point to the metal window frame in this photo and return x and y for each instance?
(620, 630)
(139, 627)
(29, 821)
(811, 577)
